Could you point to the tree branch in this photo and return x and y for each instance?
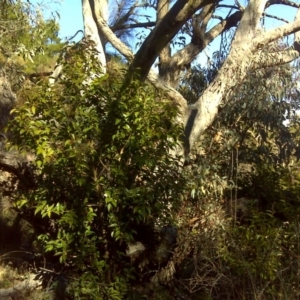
(283, 2)
(186, 55)
(131, 26)
(297, 34)
(163, 33)
(243, 57)
(90, 28)
(111, 37)
(275, 17)
(228, 6)
(276, 58)
(250, 21)
(239, 5)
(199, 23)
(198, 117)
(272, 35)
(126, 16)
(152, 76)
(165, 54)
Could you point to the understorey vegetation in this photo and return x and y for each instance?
(118, 182)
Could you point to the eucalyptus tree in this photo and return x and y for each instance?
(197, 23)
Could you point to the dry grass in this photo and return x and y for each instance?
(11, 278)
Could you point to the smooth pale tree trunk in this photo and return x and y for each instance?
(91, 34)
(90, 28)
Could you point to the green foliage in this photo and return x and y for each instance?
(250, 261)
(250, 153)
(197, 78)
(277, 190)
(26, 30)
(103, 170)
(29, 43)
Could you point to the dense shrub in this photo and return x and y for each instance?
(103, 171)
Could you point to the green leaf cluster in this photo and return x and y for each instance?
(29, 42)
(104, 173)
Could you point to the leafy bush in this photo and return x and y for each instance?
(103, 171)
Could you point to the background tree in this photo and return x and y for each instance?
(29, 47)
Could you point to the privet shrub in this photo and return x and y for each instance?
(103, 171)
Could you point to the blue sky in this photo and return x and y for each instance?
(71, 17)
(69, 11)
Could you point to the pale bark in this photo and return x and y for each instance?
(297, 34)
(90, 28)
(91, 34)
(163, 33)
(102, 7)
(277, 33)
(163, 7)
(112, 38)
(201, 37)
(199, 23)
(245, 54)
(128, 54)
(250, 22)
(200, 41)
(242, 57)
(55, 74)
